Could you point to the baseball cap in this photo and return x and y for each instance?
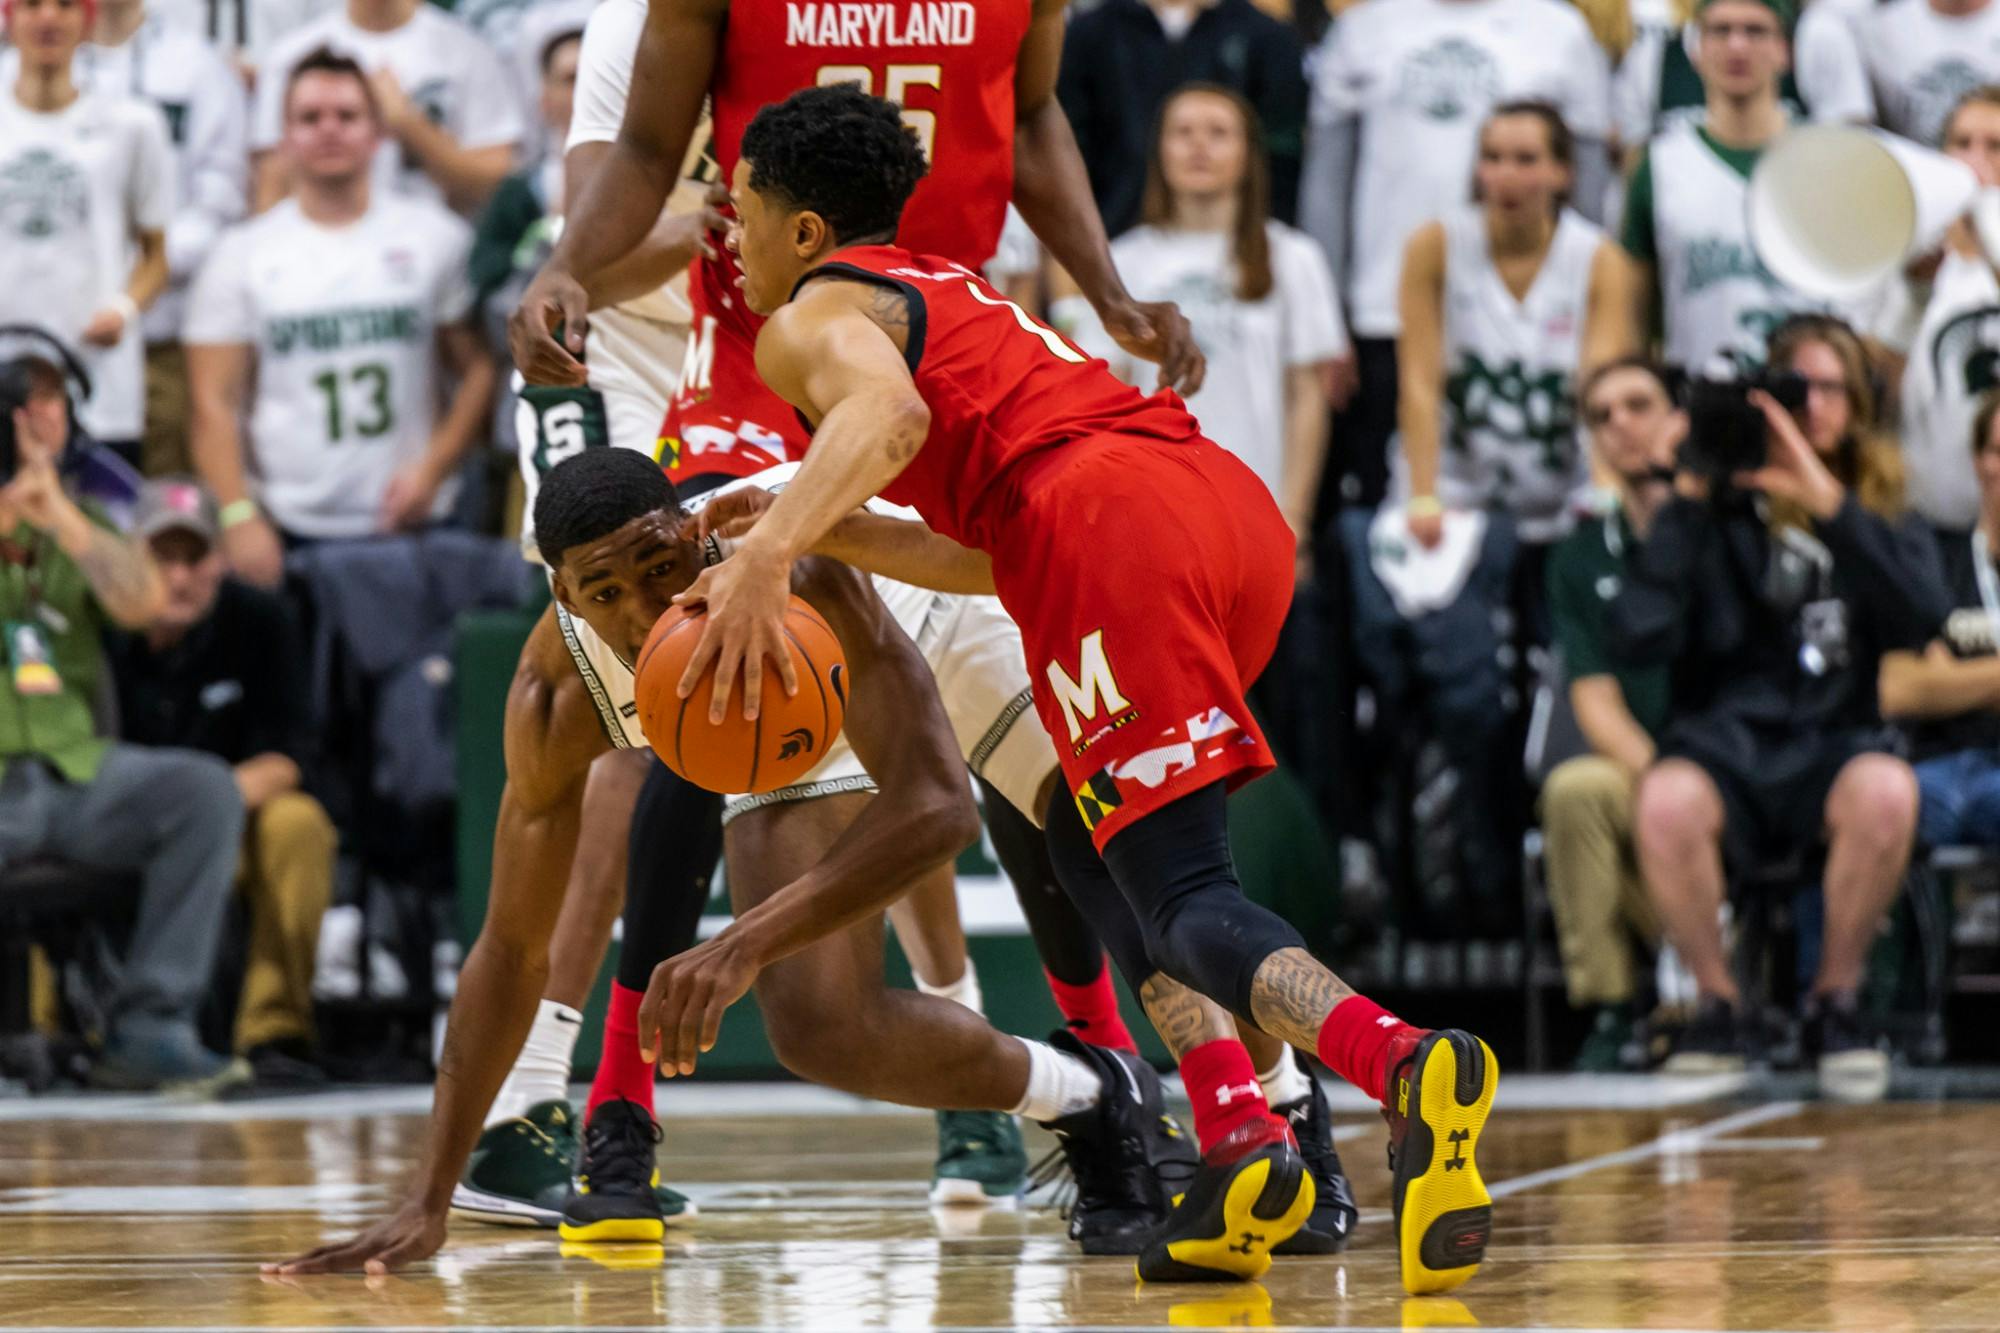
(171, 504)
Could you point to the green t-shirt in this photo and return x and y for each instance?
(46, 604)
(1585, 572)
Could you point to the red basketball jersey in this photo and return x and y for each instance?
(1002, 387)
(951, 65)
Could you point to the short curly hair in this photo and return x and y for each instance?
(588, 497)
(840, 153)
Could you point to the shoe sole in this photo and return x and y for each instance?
(476, 1205)
(953, 1192)
(1268, 1198)
(1444, 1216)
(615, 1229)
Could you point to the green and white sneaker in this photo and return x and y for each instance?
(519, 1172)
(980, 1160)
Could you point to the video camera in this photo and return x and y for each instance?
(1727, 433)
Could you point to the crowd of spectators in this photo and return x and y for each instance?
(1449, 260)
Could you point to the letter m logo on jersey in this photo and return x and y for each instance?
(1093, 691)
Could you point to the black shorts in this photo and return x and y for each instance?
(1774, 786)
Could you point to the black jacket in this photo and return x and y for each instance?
(1760, 631)
(1119, 65)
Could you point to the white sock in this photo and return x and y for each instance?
(541, 1071)
(964, 991)
(1058, 1084)
(1285, 1081)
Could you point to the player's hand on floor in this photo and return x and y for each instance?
(745, 599)
(1157, 331)
(681, 1014)
(412, 1234)
(554, 300)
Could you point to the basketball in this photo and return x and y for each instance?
(790, 734)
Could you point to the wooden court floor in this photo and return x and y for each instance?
(1765, 1214)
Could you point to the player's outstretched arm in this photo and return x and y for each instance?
(1052, 190)
(921, 817)
(903, 549)
(552, 736)
(619, 205)
(830, 353)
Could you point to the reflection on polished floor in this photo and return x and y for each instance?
(1717, 1214)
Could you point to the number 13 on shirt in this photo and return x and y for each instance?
(895, 87)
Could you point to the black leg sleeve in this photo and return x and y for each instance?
(1087, 880)
(676, 841)
(1065, 941)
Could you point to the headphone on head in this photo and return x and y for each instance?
(19, 341)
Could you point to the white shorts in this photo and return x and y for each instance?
(974, 649)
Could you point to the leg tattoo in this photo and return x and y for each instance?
(1292, 994)
(1183, 1019)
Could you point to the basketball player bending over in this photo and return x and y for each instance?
(809, 879)
(1149, 571)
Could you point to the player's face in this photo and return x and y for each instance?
(1741, 48)
(1204, 146)
(48, 31)
(1518, 174)
(192, 571)
(559, 87)
(330, 127)
(1829, 413)
(773, 244)
(622, 583)
(1973, 137)
(1633, 424)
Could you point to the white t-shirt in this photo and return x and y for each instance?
(442, 66)
(207, 116)
(344, 321)
(1921, 62)
(1249, 344)
(246, 29)
(1421, 75)
(1954, 361)
(75, 186)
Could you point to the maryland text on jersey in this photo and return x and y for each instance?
(878, 25)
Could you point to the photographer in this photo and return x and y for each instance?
(1771, 591)
(66, 791)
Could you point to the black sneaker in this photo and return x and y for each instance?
(1716, 1041)
(1334, 1214)
(1251, 1194)
(1853, 1067)
(612, 1195)
(1109, 1152)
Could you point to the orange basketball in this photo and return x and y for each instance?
(791, 734)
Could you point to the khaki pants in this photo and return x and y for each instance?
(164, 447)
(287, 878)
(1594, 886)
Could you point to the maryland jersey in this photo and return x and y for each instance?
(951, 65)
(1001, 387)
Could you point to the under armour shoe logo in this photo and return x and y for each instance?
(1388, 1021)
(1250, 1239)
(1457, 1139)
(1229, 1092)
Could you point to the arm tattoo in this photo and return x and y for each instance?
(1292, 994)
(115, 569)
(889, 308)
(1183, 1019)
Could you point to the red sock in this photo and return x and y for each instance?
(1091, 1010)
(1358, 1040)
(1222, 1085)
(621, 1070)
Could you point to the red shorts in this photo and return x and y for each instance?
(1150, 581)
(724, 418)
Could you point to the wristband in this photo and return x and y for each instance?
(1424, 506)
(127, 308)
(235, 512)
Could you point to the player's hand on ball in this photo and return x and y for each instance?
(746, 597)
(553, 300)
(412, 1234)
(681, 1015)
(1157, 331)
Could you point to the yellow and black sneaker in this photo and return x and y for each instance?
(612, 1195)
(1440, 1090)
(1251, 1193)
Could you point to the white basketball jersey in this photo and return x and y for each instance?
(1509, 432)
(1956, 359)
(610, 677)
(1718, 300)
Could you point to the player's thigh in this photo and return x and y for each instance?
(976, 656)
